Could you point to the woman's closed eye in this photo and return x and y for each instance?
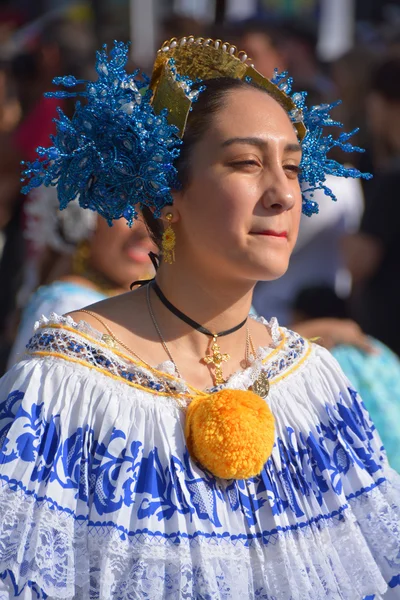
(292, 171)
(252, 164)
(248, 163)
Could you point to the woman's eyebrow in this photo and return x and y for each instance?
(252, 141)
(293, 148)
(259, 142)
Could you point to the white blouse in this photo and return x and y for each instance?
(99, 498)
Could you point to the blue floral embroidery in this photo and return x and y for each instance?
(249, 503)
(93, 469)
(7, 416)
(111, 474)
(395, 581)
(351, 425)
(17, 590)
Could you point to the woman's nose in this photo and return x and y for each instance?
(279, 193)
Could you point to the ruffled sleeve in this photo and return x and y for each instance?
(329, 474)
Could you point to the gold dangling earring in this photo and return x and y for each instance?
(168, 241)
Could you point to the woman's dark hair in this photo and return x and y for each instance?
(209, 102)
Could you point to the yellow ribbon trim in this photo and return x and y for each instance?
(152, 369)
(293, 368)
(278, 348)
(126, 357)
(107, 373)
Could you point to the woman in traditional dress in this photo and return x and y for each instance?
(161, 444)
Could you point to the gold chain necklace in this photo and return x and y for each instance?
(110, 339)
(261, 386)
(158, 330)
(216, 358)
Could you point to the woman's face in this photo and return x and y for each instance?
(240, 212)
(121, 253)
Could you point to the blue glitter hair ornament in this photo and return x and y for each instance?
(117, 153)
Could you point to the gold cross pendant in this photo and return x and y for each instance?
(216, 359)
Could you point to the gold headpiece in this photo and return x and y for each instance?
(138, 152)
(201, 59)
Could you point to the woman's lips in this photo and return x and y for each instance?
(271, 233)
(138, 254)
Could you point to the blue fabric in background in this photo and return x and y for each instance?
(377, 379)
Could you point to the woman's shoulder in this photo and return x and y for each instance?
(76, 345)
(123, 312)
(313, 345)
(302, 371)
(295, 346)
(299, 371)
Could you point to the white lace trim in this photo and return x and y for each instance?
(68, 559)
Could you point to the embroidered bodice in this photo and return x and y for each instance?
(100, 499)
(82, 344)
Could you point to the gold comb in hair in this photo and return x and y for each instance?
(201, 59)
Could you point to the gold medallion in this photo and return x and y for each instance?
(108, 339)
(261, 385)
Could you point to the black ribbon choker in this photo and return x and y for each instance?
(190, 321)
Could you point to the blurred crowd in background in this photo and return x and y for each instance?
(346, 262)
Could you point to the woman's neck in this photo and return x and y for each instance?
(214, 302)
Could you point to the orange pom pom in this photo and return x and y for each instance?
(231, 433)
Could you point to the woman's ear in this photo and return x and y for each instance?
(164, 212)
(171, 209)
(178, 198)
